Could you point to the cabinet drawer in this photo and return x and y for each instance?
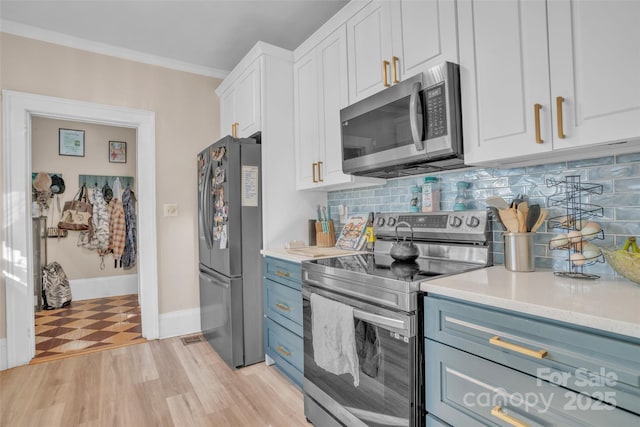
(285, 272)
(284, 305)
(465, 390)
(285, 348)
(576, 358)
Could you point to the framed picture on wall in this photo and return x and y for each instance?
(117, 152)
(71, 142)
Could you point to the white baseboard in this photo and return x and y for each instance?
(183, 322)
(101, 287)
(3, 354)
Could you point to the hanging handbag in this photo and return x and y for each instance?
(76, 214)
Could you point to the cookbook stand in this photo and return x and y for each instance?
(569, 195)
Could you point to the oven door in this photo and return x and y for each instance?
(390, 385)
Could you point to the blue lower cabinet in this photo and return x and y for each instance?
(466, 390)
(282, 303)
(286, 349)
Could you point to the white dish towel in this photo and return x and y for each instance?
(334, 338)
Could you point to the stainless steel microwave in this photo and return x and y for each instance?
(410, 128)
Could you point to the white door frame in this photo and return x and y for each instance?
(16, 232)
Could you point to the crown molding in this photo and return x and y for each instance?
(28, 31)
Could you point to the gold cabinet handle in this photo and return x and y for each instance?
(538, 354)
(283, 307)
(281, 273)
(497, 412)
(559, 101)
(320, 172)
(385, 76)
(282, 351)
(536, 113)
(313, 172)
(234, 129)
(394, 69)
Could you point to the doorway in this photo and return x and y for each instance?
(102, 310)
(18, 110)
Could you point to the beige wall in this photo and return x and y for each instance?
(187, 119)
(79, 262)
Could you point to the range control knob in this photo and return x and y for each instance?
(380, 221)
(473, 222)
(455, 221)
(391, 222)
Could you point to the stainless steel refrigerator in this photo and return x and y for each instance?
(230, 239)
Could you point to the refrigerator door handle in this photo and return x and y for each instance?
(204, 207)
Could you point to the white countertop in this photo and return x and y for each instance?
(282, 253)
(608, 304)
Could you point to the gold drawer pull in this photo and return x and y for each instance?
(536, 111)
(282, 351)
(394, 69)
(538, 354)
(559, 101)
(282, 274)
(320, 172)
(313, 172)
(283, 307)
(385, 76)
(497, 412)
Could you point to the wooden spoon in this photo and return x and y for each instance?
(541, 218)
(523, 210)
(509, 219)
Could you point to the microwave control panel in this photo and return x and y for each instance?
(436, 109)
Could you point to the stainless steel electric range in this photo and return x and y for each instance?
(387, 312)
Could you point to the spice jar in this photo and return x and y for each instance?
(430, 194)
(461, 202)
(416, 195)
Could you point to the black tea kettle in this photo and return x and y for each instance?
(403, 250)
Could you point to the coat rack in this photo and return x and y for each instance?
(101, 180)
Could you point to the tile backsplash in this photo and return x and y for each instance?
(619, 176)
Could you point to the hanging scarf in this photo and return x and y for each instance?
(130, 245)
(98, 237)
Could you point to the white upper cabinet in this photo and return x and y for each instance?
(306, 120)
(542, 76)
(369, 40)
(424, 34)
(503, 49)
(240, 104)
(320, 91)
(392, 40)
(594, 50)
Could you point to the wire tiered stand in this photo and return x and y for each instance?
(569, 194)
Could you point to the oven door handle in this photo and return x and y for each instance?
(381, 321)
(403, 326)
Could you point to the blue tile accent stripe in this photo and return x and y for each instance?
(619, 175)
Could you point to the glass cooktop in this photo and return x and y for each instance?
(383, 266)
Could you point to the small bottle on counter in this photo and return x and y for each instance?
(370, 236)
(430, 194)
(416, 196)
(461, 201)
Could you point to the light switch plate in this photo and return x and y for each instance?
(171, 209)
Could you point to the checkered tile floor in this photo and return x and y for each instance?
(88, 325)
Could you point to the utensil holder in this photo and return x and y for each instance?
(519, 252)
(325, 240)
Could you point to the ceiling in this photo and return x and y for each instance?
(208, 35)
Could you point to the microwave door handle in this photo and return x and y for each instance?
(414, 104)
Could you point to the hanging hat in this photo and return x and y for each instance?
(57, 184)
(42, 182)
(107, 192)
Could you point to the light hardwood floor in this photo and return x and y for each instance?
(157, 383)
